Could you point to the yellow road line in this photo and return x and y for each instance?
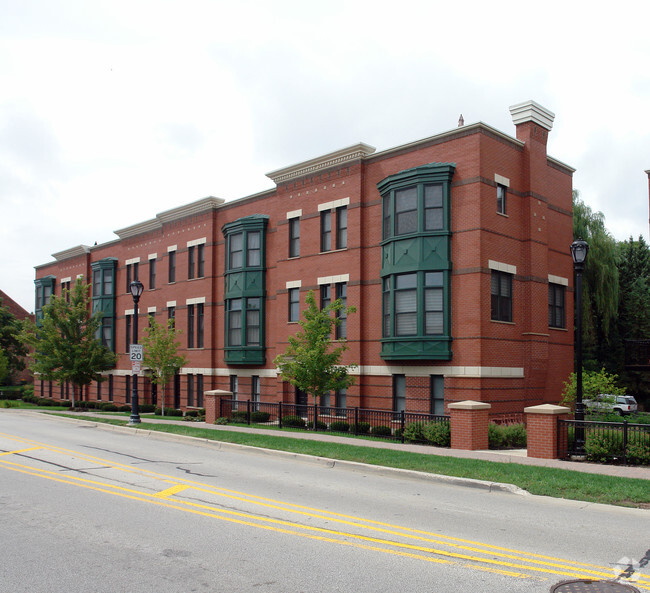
(20, 451)
(172, 490)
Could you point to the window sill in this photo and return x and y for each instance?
(502, 214)
(561, 329)
(332, 250)
(503, 322)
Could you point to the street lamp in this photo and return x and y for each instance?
(136, 287)
(579, 249)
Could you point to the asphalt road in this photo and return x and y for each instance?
(84, 509)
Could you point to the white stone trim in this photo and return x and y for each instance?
(152, 256)
(172, 248)
(501, 267)
(294, 214)
(195, 301)
(80, 275)
(68, 279)
(558, 280)
(134, 260)
(501, 180)
(531, 111)
(333, 279)
(447, 371)
(332, 159)
(195, 242)
(171, 304)
(241, 372)
(72, 252)
(151, 309)
(333, 205)
(293, 284)
(128, 311)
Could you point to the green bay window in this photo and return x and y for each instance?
(245, 290)
(103, 298)
(416, 264)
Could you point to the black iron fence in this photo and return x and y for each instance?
(356, 421)
(611, 442)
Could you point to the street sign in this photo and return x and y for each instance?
(136, 353)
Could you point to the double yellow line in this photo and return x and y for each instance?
(364, 534)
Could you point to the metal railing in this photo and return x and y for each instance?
(357, 421)
(614, 442)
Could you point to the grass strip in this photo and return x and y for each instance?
(544, 481)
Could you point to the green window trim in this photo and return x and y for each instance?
(245, 290)
(104, 276)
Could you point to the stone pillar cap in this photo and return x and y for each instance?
(217, 392)
(547, 409)
(531, 111)
(469, 405)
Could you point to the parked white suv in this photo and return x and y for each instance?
(623, 404)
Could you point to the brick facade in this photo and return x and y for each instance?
(511, 364)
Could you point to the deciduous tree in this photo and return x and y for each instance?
(65, 342)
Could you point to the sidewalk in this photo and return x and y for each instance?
(507, 456)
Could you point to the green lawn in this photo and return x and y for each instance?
(544, 481)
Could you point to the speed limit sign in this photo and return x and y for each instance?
(135, 355)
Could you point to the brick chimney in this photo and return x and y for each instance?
(533, 122)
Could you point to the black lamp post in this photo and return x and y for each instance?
(579, 251)
(136, 289)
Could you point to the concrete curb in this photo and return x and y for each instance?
(377, 470)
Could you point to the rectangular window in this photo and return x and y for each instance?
(99, 390)
(342, 227)
(110, 388)
(406, 211)
(234, 388)
(433, 211)
(255, 392)
(200, 256)
(341, 398)
(236, 251)
(152, 274)
(294, 237)
(326, 230)
(325, 295)
(386, 218)
(190, 390)
(234, 322)
(191, 259)
(253, 334)
(433, 303)
(556, 315)
(129, 277)
(107, 331)
(294, 304)
(97, 283)
(199, 325)
(399, 393)
(128, 334)
(342, 295)
(253, 248)
(501, 198)
(127, 388)
(171, 314)
(406, 309)
(437, 395)
(172, 267)
(107, 282)
(190, 326)
(199, 391)
(501, 292)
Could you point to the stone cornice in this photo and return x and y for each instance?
(332, 159)
(72, 252)
(167, 216)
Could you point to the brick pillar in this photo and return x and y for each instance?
(469, 425)
(542, 431)
(211, 401)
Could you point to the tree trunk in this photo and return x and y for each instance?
(74, 395)
(163, 400)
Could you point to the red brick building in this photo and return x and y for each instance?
(24, 376)
(454, 249)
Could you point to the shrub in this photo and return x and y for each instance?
(638, 452)
(293, 422)
(413, 432)
(147, 408)
(169, 412)
(260, 417)
(506, 436)
(109, 407)
(602, 446)
(66, 403)
(361, 428)
(27, 390)
(6, 403)
(41, 401)
(239, 416)
(221, 421)
(30, 399)
(382, 431)
(340, 426)
(10, 395)
(320, 425)
(192, 414)
(125, 408)
(437, 433)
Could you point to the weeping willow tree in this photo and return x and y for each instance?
(599, 287)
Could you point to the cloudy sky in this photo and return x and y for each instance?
(113, 111)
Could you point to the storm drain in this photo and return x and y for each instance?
(588, 586)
